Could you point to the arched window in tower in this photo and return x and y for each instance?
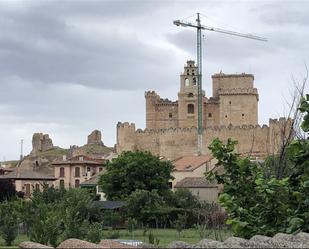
(190, 108)
(192, 72)
(187, 82)
(190, 95)
(194, 81)
(188, 72)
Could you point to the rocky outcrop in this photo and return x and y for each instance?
(33, 245)
(95, 137)
(280, 240)
(41, 142)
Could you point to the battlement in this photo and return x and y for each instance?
(223, 75)
(149, 94)
(126, 125)
(273, 122)
(235, 91)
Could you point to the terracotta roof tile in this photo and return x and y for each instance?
(195, 182)
(20, 173)
(190, 163)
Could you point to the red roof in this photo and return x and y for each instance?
(190, 163)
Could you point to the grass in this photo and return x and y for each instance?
(165, 236)
(20, 238)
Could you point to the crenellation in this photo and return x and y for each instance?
(232, 112)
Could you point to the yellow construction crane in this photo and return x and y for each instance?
(199, 29)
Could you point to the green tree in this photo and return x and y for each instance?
(94, 233)
(135, 170)
(145, 206)
(75, 208)
(7, 190)
(258, 202)
(8, 222)
(46, 226)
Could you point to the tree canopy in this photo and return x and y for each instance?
(133, 171)
(259, 203)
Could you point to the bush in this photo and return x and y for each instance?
(94, 234)
(8, 222)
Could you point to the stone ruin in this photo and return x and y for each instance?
(95, 137)
(41, 142)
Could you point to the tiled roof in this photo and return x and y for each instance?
(26, 174)
(190, 163)
(93, 180)
(76, 160)
(195, 182)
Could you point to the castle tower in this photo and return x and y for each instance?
(151, 117)
(187, 96)
(237, 97)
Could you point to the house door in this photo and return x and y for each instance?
(27, 192)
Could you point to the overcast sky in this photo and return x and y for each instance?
(69, 67)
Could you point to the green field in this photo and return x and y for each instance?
(164, 235)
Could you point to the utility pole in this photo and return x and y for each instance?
(21, 149)
(199, 29)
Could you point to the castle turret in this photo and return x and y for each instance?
(151, 101)
(238, 99)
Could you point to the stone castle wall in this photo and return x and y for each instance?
(175, 142)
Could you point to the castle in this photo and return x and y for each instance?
(232, 112)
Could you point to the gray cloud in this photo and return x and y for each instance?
(67, 67)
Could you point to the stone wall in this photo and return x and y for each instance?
(95, 137)
(41, 142)
(175, 142)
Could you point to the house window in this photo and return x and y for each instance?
(76, 183)
(194, 81)
(81, 158)
(170, 115)
(243, 115)
(77, 172)
(190, 108)
(37, 187)
(230, 102)
(170, 184)
(100, 169)
(61, 183)
(62, 172)
(88, 169)
(209, 115)
(226, 116)
(28, 191)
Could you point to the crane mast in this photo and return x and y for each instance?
(199, 29)
(199, 85)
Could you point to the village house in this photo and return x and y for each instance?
(27, 181)
(200, 187)
(70, 173)
(189, 172)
